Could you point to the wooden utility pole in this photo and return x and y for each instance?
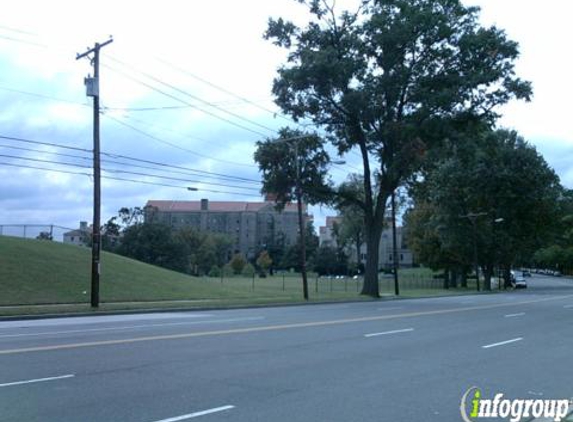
(395, 245)
(301, 225)
(92, 86)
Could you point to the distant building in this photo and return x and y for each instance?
(79, 237)
(385, 252)
(326, 236)
(252, 226)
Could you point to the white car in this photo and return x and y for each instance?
(519, 282)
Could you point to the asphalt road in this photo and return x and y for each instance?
(393, 360)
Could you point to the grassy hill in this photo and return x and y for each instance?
(39, 272)
(35, 272)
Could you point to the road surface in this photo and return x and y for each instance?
(393, 360)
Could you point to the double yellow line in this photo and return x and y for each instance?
(270, 327)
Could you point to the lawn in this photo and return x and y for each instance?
(34, 272)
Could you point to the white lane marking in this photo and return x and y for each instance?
(129, 327)
(501, 343)
(405, 330)
(514, 315)
(197, 414)
(10, 384)
(568, 306)
(97, 319)
(390, 309)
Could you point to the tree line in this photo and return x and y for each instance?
(196, 252)
(394, 81)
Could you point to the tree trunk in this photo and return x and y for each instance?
(464, 279)
(446, 279)
(507, 276)
(487, 274)
(370, 286)
(454, 278)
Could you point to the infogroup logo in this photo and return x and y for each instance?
(514, 409)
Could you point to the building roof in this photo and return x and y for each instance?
(216, 206)
(331, 220)
(76, 232)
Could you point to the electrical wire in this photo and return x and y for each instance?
(67, 164)
(188, 94)
(183, 101)
(89, 175)
(135, 159)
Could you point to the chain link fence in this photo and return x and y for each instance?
(35, 231)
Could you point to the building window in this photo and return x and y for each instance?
(401, 257)
(390, 257)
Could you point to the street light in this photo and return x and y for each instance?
(301, 226)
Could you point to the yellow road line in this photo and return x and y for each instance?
(271, 327)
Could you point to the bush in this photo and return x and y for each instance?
(238, 263)
(248, 270)
(215, 271)
(228, 270)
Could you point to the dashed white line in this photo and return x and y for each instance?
(393, 308)
(197, 414)
(568, 306)
(10, 384)
(405, 330)
(514, 315)
(130, 327)
(501, 343)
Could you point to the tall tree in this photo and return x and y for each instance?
(505, 184)
(294, 166)
(351, 231)
(387, 81)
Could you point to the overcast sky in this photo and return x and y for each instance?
(160, 103)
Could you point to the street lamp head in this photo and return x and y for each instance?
(499, 220)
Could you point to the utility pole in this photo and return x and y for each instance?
(394, 244)
(302, 228)
(92, 85)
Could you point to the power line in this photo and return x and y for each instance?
(139, 81)
(171, 144)
(228, 92)
(182, 91)
(39, 160)
(36, 44)
(121, 179)
(45, 97)
(130, 158)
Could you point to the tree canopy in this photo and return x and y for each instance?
(504, 184)
(390, 80)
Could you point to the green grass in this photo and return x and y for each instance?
(36, 272)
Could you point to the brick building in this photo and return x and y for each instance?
(252, 226)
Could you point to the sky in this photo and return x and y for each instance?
(188, 84)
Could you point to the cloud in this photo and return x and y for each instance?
(219, 41)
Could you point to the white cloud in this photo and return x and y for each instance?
(220, 41)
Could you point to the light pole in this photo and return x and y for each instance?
(301, 225)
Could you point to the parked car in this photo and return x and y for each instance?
(526, 273)
(519, 282)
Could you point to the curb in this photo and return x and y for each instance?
(385, 298)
